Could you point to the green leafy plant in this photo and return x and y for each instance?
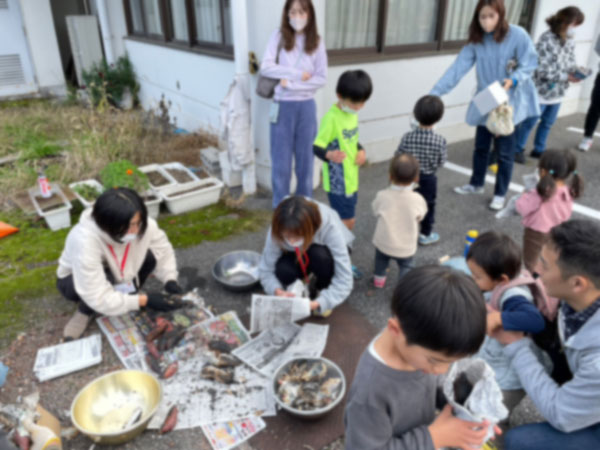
(108, 83)
(124, 174)
(90, 193)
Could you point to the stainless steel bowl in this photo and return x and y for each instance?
(333, 371)
(116, 407)
(237, 271)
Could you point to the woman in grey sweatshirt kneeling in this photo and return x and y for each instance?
(307, 241)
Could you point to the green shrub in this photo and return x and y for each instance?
(109, 82)
(124, 174)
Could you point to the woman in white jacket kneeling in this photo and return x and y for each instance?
(109, 255)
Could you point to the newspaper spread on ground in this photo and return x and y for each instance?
(270, 311)
(228, 435)
(273, 347)
(201, 401)
(125, 339)
(58, 360)
(125, 333)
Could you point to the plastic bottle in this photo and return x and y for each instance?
(469, 239)
(44, 184)
(42, 438)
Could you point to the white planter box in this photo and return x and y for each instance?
(94, 183)
(189, 201)
(153, 206)
(56, 218)
(163, 172)
(179, 166)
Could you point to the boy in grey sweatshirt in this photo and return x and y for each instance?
(438, 316)
(570, 271)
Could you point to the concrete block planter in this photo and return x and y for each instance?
(55, 210)
(94, 184)
(191, 196)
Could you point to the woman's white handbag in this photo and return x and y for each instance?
(500, 121)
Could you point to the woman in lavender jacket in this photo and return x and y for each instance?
(301, 69)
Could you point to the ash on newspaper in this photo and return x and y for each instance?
(201, 396)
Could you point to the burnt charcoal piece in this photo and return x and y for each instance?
(219, 346)
(462, 388)
(224, 375)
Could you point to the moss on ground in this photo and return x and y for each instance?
(28, 258)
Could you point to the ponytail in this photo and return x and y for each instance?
(546, 186)
(576, 185)
(558, 165)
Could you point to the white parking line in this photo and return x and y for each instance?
(491, 179)
(579, 130)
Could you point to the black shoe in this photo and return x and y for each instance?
(520, 158)
(535, 154)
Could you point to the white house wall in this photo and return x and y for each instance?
(203, 80)
(43, 46)
(194, 84)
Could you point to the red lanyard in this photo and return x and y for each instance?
(123, 261)
(303, 263)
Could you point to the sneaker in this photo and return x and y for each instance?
(379, 282)
(585, 144)
(493, 168)
(428, 240)
(356, 273)
(76, 326)
(520, 158)
(536, 155)
(497, 203)
(469, 189)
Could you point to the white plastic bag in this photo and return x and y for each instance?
(500, 121)
(530, 181)
(485, 400)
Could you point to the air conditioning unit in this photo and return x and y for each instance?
(84, 37)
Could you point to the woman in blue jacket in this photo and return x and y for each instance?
(503, 53)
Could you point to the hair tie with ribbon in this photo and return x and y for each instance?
(551, 171)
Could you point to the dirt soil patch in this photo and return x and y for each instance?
(55, 201)
(180, 175)
(156, 178)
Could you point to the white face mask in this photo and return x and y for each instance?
(298, 24)
(571, 32)
(129, 237)
(296, 244)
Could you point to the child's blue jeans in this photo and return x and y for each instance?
(292, 136)
(428, 189)
(543, 436)
(382, 261)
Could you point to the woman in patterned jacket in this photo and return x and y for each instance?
(556, 65)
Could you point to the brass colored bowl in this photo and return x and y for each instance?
(116, 407)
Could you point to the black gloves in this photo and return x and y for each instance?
(172, 287)
(162, 302)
